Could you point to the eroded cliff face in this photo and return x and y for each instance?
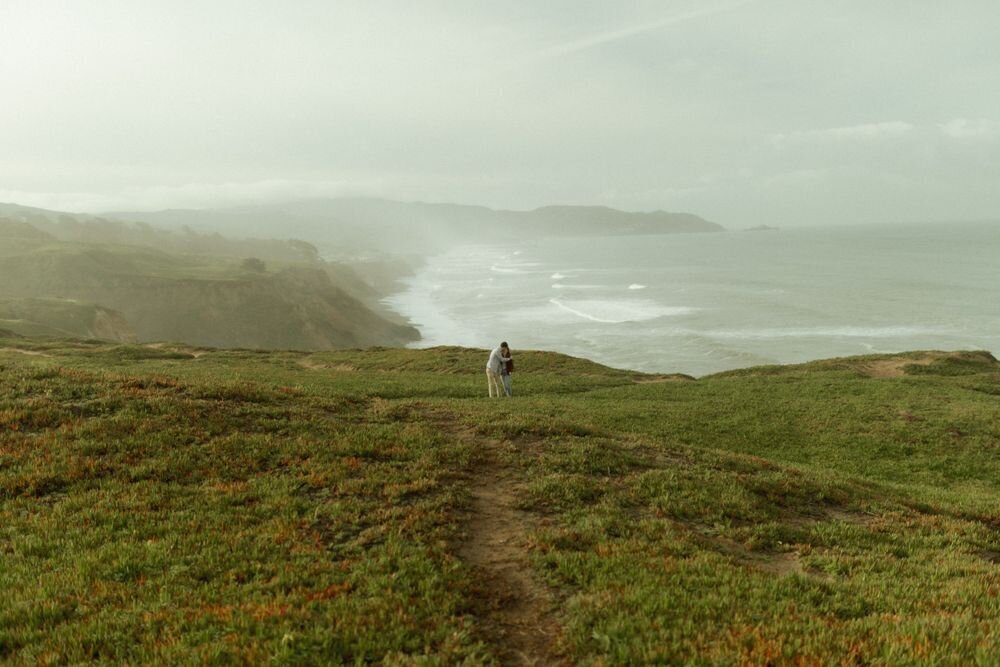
(142, 293)
(64, 317)
(111, 325)
(296, 308)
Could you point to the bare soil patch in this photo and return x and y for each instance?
(990, 556)
(785, 562)
(674, 377)
(895, 367)
(778, 563)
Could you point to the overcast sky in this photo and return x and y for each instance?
(744, 111)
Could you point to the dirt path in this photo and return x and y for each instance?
(673, 377)
(516, 609)
(30, 353)
(182, 349)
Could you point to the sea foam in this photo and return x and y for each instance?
(898, 331)
(607, 311)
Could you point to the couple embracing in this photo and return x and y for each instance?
(498, 371)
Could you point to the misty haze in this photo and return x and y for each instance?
(257, 261)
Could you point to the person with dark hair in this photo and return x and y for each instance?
(505, 374)
(498, 358)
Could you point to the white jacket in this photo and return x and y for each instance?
(496, 361)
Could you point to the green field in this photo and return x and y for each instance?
(178, 505)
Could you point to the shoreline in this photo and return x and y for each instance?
(545, 296)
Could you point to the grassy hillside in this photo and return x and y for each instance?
(84, 228)
(188, 505)
(199, 299)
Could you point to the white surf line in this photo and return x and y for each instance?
(582, 314)
(828, 332)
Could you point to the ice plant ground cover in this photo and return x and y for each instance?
(179, 505)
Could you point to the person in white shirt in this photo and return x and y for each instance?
(498, 358)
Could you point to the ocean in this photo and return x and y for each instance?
(703, 303)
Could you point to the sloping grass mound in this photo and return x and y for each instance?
(957, 363)
(158, 505)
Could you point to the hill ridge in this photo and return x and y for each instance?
(339, 225)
